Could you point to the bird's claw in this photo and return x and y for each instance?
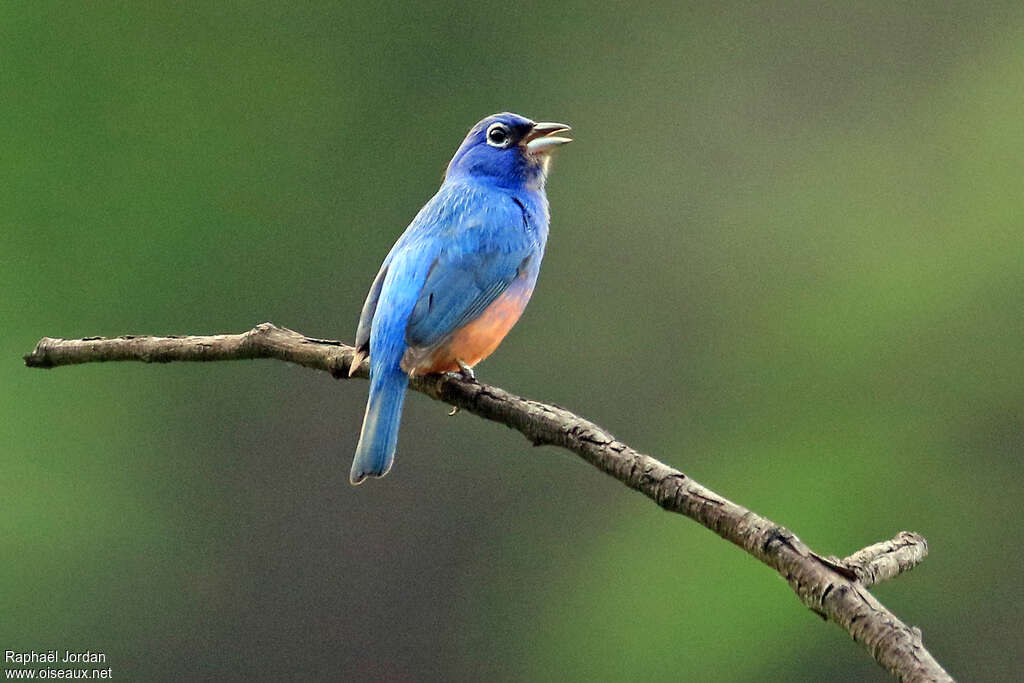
(466, 371)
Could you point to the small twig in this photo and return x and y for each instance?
(882, 561)
(835, 589)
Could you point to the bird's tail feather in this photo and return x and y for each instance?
(379, 436)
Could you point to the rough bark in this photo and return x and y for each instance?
(834, 588)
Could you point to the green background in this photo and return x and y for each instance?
(786, 257)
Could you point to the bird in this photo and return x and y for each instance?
(459, 277)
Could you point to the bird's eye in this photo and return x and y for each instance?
(498, 135)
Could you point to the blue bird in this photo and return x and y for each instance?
(460, 275)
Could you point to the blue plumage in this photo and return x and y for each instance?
(460, 275)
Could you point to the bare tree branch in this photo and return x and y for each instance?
(835, 589)
(882, 561)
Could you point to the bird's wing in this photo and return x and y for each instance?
(369, 308)
(463, 249)
(458, 289)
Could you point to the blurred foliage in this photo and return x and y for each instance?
(786, 257)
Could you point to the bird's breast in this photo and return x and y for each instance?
(477, 339)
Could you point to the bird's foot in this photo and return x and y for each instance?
(466, 371)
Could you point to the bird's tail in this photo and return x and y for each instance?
(377, 441)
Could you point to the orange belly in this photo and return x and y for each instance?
(479, 338)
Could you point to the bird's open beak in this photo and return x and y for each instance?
(543, 137)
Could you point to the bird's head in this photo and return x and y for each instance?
(508, 150)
